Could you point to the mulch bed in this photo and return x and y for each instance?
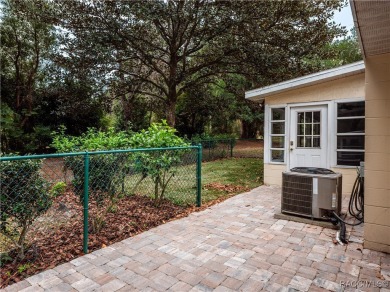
(57, 236)
(54, 243)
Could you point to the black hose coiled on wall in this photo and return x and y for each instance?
(356, 202)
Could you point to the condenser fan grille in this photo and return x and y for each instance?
(297, 194)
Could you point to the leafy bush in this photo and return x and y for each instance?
(159, 166)
(92, 140)
(108, 171)
(105, 170)
(24, 197)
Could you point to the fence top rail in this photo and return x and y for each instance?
(57, 155)
(226, 139)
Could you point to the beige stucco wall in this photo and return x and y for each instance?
(377, 155)
(348, 87)
(343, 88)
(273, 176)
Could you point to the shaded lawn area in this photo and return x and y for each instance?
(220, 179)
(227, 177)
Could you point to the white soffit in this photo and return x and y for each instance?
(372, 21)
(320, 77)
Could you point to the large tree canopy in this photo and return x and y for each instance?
(37, 95)
(162, 49)
(127, 63)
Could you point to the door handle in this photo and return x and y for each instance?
(291, 145)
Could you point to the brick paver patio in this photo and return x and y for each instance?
(233, 246)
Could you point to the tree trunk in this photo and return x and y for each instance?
(171, 113)
(127, 107)
(248, 130)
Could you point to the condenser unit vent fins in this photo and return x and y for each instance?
(297, 194)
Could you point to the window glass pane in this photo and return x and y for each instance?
(301, 117)
(350, 109)
(300, 141)
(316, 129)
(277, 113)
(308, 142)
(277, 128)
(308, 129)
(308, 117)
(277, 142)
(316, 117)
(350, 126)
(301, 128)
(277, 155)
(316, 142)
(349, 158)
(350, 142)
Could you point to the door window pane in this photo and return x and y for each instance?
(317, 117)
(308, 117)
(308, 128)
(308, 142)
(301, 141)
(316, 129)
(301, 117)
(301, 129)
(316, 142)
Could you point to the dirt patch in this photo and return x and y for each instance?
(248, 149)
(249, 144)
(228, 188)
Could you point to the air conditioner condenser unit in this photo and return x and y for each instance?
(311, 192)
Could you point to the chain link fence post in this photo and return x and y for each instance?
(231, 147)
(85, 202)
(199, 177)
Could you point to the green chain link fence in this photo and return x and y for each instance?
(99, 180)
(214, 149)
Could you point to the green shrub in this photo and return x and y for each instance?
(24, 197)
(58, 189)
(159, 166)
(105, 170)
(92, 140)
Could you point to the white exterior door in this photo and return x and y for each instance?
(308, 136)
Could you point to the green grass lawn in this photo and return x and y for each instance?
(241, 172)
(220, 178)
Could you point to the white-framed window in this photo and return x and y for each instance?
(350, 131)
(277, 130)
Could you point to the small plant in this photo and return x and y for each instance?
(24, 197)
(23, 268)
(58, 189)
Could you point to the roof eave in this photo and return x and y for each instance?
(259, 94)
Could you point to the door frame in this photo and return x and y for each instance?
(330, 127)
